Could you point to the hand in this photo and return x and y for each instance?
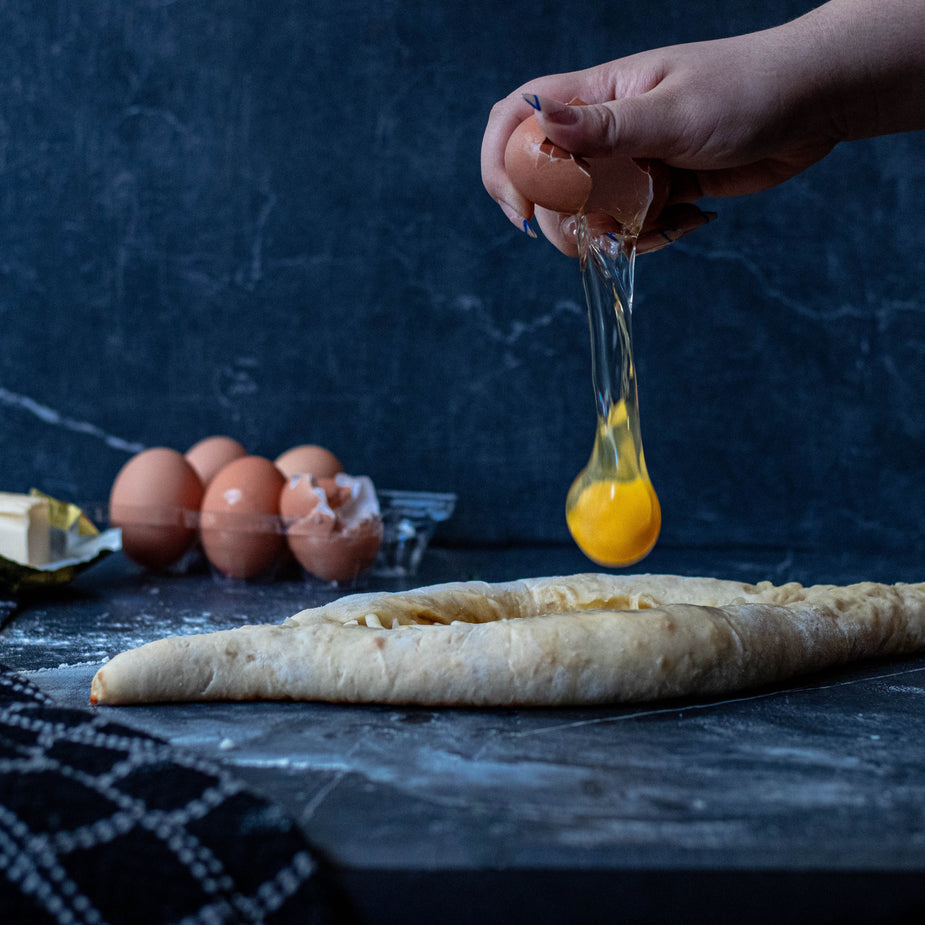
(728, 117)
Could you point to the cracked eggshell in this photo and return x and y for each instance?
(334, 529)
(551, 177)
(546, 174)
(154, 499)
(239, 523)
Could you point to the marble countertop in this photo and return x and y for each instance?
(805, 799)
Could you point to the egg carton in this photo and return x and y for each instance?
(386, 535)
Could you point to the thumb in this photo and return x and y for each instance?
(634, 125)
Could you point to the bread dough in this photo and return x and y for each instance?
(581, 639)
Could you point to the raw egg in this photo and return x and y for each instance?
(625, 188)
(155, 499)
(239, 526)
(333, 525)
(612, 510)
(211, 454)
(309, 458)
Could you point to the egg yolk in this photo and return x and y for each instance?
(615, 522)
(612, 510)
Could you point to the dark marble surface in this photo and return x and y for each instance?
(771, 798)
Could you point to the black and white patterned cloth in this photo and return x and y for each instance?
(102, 824)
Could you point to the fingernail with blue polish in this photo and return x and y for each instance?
(533, 100)
(528, 229)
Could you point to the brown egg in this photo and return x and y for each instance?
(549, 176)
(309, 458)
(155, 499)
(546, 174)
(333, 553)
(211, 454)
(239, 527)
(333, 526)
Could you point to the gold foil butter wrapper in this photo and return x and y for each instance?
(75, 545)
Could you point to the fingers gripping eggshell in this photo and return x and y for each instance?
(155, 499)
(627, 189)
(239, 524)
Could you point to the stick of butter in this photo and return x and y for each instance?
(25, 533)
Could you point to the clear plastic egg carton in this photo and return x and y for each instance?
(409, 521)
(387, 538)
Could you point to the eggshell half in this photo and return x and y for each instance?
(154, 499)
(625, 188)
(546, 174)
(239, 524)
(333, 553)
(333, 526)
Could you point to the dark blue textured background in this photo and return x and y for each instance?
(267, 220)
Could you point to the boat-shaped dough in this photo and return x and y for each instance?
(572, 640)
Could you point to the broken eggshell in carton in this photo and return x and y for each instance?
(333, 525)
(163, 507)
(625, 188)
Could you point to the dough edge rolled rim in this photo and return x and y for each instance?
(566, 640)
